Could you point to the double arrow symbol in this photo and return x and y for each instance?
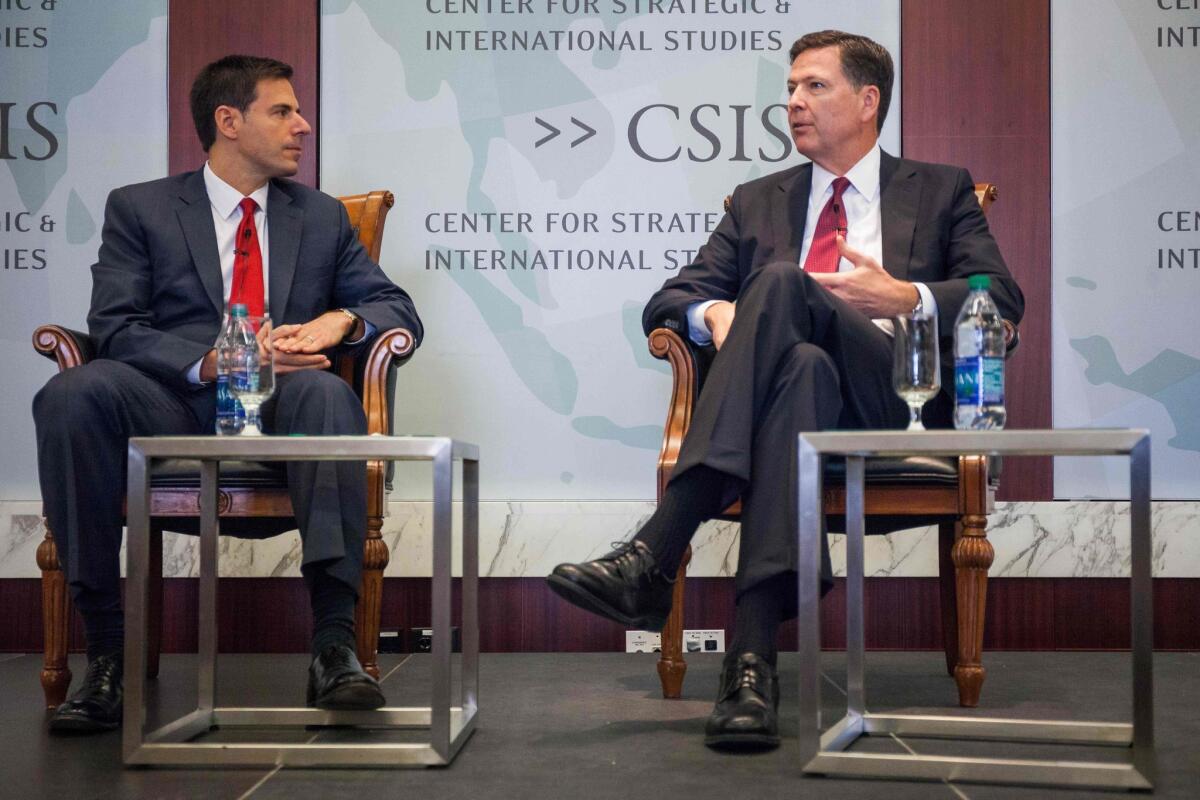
(589, 132)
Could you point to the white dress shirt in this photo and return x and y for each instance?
(225, 202)
(864, 231)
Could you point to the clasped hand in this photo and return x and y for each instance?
(300, 346)
(296, 346)
(868, 287)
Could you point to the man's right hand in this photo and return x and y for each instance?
(208, 367)
(718, 317)
(284, 363)
(292, 362)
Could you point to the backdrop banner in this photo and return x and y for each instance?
(1125, 141)
(83, 109)
(554, 161)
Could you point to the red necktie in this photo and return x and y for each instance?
(247, 263)
(823, 252)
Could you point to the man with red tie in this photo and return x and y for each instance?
(795, 290)
(174, 254)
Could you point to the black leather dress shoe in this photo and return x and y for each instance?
(747, 713)
(625, 586)
(96, 705)
(337, 682)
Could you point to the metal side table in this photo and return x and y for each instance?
(825, 754)
(450, 725)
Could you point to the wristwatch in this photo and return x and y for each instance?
(917, 309)
(353, 320)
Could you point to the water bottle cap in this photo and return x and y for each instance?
(976, 282)
(237, 310)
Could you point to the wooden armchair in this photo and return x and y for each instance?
(255, 494)
(900, 493)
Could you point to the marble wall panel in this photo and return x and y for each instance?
(526, 539)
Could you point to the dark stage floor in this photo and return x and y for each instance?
(594, 726)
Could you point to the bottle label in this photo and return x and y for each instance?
(979, 380)
(225, 406)
(228, 406)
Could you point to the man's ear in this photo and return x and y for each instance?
(870, 101)
(228, 119)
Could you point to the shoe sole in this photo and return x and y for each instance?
(81, 725)
(576, 595)
(351, 697)
(743, 742)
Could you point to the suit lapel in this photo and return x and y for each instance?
(900, 196)
(791, 215)
(284, 223)
(195, 217)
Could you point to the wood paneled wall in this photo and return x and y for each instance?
(202, 32)
(520, 615)
(976, 93)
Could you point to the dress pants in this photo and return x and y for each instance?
(85, 416)
(796, 359)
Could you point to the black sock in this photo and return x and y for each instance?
(333, 612)
(103, 622)
(697, 495)
(760, 610)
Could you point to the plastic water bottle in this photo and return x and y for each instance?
(979, 360)
(231, 417)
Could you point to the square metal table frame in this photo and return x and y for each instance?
(170, 745)
(825, 754)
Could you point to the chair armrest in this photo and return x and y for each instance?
(371, 370)
(374, 375)
(1012, 337)
(67, 347)
(668, 345)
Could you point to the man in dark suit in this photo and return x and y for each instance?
(174, 252)
(795, 289)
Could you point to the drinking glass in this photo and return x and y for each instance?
(916, 371)
(252, 377)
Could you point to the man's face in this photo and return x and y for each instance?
(826, 114)
(271, 132)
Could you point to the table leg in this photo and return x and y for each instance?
(209, 531)
(856, 700)
(137, 598)
(810, 529)
(1142, 609)
(470, 592)
(443, 492)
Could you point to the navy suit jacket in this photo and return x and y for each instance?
(933, 232)
(157, 292)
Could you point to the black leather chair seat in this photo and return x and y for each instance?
(891, 471)
(185, 474)
(911, 470)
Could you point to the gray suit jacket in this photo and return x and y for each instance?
(933, 232)
(157, 293)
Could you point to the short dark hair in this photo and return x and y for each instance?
(865, 62)
(230, 81)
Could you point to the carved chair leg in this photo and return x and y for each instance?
(947, 535)
(972, 555)
(56, 674)
(154, 613)
(370, 596)
(671, 666)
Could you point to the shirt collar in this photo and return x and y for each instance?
(863, 176)
(225, 199)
